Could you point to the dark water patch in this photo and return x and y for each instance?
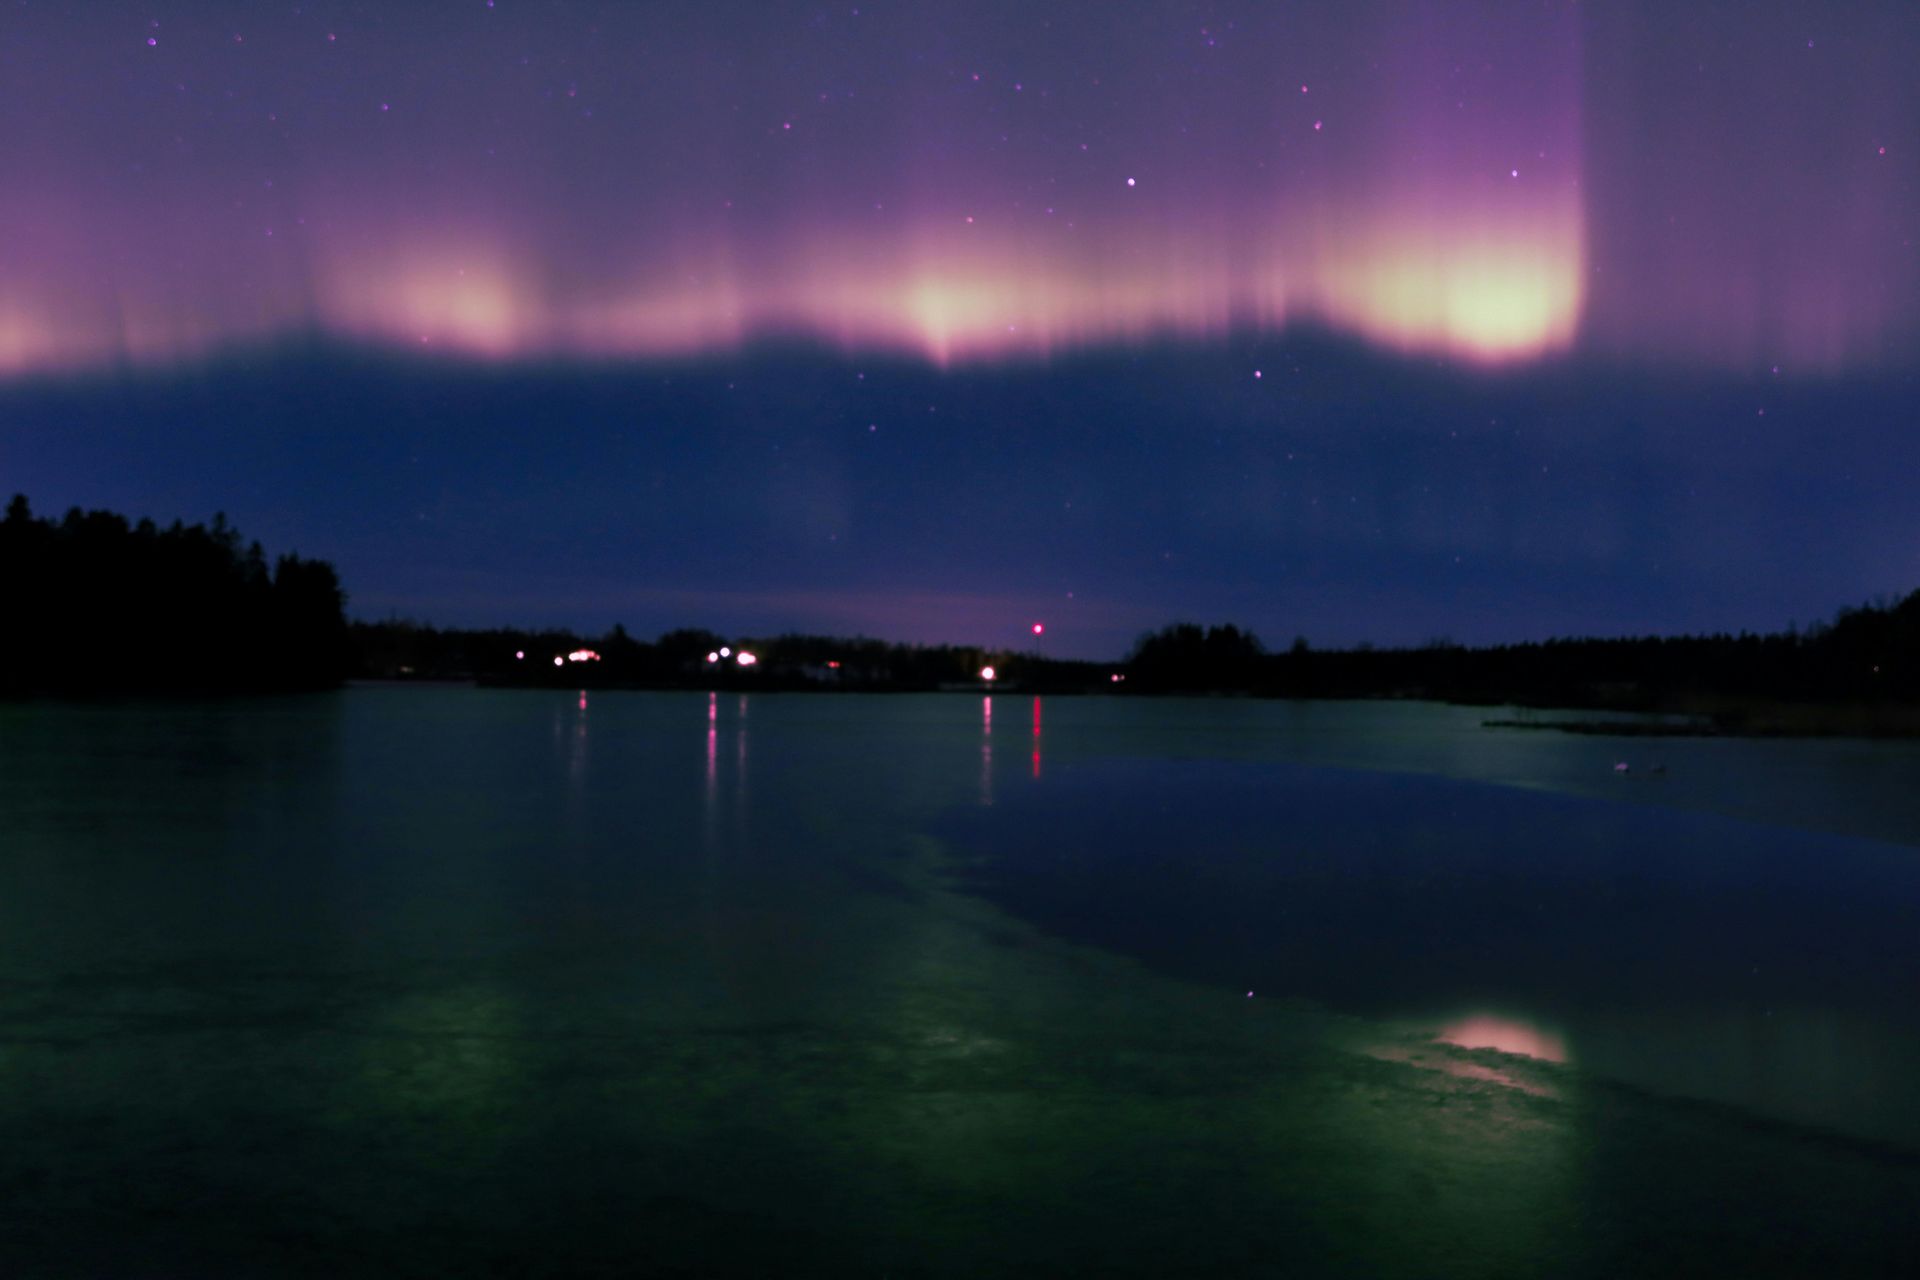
(1373, 891)
(1697, 954)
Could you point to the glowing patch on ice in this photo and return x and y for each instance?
(1485, 1031)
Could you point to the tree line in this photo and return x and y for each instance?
(95, 604)
(692, 658)
(1869, 654)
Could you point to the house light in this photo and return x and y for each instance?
(745, 659)
(986, 673)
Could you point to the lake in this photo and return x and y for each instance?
(428, 981)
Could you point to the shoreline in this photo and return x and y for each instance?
(1760, 720)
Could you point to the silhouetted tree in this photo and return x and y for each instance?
(96, 605)
(1184, 657)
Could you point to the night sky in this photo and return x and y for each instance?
(1357, 321)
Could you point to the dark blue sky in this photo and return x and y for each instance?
(1345, 494)
(1380, 321)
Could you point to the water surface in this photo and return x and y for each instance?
(424, 980)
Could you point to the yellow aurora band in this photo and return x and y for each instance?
(1482, 181)
(1473, 294)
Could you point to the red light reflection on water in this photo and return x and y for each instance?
(713, 744)
(1036, 738)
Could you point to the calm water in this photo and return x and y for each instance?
(437, 981)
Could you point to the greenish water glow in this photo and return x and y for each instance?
(428, 981)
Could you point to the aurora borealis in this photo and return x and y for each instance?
(1658, 194)
(1488, 180)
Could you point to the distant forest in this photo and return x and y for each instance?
(1867, 657)
(696, 659)
(97, 605)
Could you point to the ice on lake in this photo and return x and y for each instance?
(413, 981)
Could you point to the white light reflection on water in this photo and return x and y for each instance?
(570, 744)
(986, 751)
(736, 725)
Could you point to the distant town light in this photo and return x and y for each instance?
(835, 666)
(559, 661)
(519, 655)
(713, 657)
(986, 673)
(583, 655)
(745, 659)
(1116, 677)
(725, 652)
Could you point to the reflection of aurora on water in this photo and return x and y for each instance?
(1460, 1049)
(1508, 1035)
(1470, 940)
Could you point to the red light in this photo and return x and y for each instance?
(1036, 738)
(1039, 628)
